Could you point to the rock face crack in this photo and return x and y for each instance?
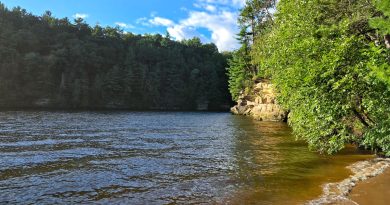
(261, 103)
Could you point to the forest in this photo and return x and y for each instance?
(47, 62)
(330, 63)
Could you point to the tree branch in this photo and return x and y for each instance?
(360, 117)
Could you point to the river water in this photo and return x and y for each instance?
(158, 158)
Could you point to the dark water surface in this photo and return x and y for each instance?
(157, 158)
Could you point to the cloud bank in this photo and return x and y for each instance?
(222, 26)
(219, 17)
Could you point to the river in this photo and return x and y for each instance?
(158, 158)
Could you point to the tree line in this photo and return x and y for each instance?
(55, 63)
(330, 63)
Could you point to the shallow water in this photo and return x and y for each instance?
(158, 158)
(373, 191)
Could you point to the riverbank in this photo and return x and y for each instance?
(373, 191)
(368, 184)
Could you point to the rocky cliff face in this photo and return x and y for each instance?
(260, 103)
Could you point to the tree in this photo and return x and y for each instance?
(239, 78)
(321, 66)
(254, 21)
(74, 65)
(382, 23)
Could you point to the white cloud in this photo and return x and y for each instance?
(210, 8)
(219, 17)
(154, 21)
(181, 32)
(205, 6)
(80, 15)
(124, 25)
(222, 25)
(143, 21)
(158, 21)
(239, 3)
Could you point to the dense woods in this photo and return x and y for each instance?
(329, 61)
(55, 63)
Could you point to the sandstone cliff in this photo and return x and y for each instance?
(260, 103)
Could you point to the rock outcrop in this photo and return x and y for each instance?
(260, 103)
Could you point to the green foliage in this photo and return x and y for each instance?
(254, 20)
(382, 23)
(239, 78)
(321, 61)
(379, 137)
(73, 65)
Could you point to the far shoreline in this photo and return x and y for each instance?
(49, 109)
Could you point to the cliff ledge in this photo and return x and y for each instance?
(260, 103)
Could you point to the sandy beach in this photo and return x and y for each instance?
(373, 191)
(369, 184)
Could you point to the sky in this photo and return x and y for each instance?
(210, 20)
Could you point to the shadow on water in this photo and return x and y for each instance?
(275, 168)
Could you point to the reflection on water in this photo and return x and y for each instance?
(157, 158)
(274, 168)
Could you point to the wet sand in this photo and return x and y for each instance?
(373, 191)
(369, 182)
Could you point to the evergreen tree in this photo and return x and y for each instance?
(50, 62)
(254, 20)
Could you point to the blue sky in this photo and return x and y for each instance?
(210, 20)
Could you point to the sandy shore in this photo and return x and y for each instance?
(369, 184)
(374, 191)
